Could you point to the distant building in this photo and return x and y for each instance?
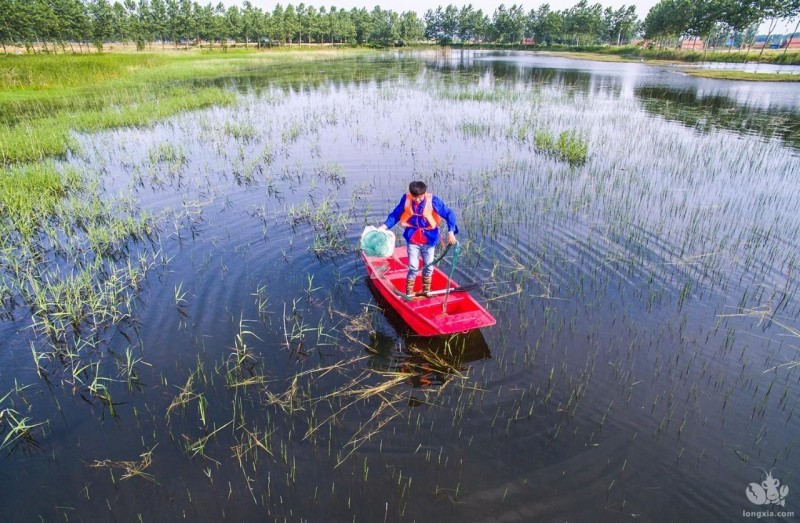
(529, 41)
(693, 44)
(773, 42)
(791, 41)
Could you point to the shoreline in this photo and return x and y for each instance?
(682, 67)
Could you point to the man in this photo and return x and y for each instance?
(420, 214)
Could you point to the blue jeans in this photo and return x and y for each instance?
(428, 254)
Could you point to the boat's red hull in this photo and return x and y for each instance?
(426, 316)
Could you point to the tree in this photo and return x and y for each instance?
(291, 24)
(433, 24)
(120, 23)
(412, 29)
(702, 19)
(136, 24)
(312, 23)
(584, 22)
(738, 16)
(442, 25)
(509, 24)
(620, 24)
(793, 10)
(222, 30)
(173, 21)
(6, 22)
(65, 30)
(361, 21)
(187, 20)
(548, 24)
(471, 24)
(102, 20)
(248, 22)
(206, 26)
(668, 19)
(158, 20)
(275, 30)
(347, 27)
(385, 27)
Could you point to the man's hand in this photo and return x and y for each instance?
(382, 227)
(451, 238)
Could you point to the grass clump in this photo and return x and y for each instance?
(480, 95)
(568, 146)
(40, 137)
(30, 194)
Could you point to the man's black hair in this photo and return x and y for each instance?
(417, 188)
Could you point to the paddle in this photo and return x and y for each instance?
(462, 288)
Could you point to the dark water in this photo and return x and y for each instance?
(640, 368)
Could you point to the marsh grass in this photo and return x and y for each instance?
(568, 146)
(489, 96)
(49, 72)
(31, 195)
(329, 223)
(71, 257)
(19, 429)
(43, 134)
(46, 98)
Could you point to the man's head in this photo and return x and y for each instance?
(417, 188)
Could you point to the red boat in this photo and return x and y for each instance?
(440, 312)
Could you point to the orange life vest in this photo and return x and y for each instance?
(427, 211)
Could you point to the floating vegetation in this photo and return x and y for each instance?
(130, 469)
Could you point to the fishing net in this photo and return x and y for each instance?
(377, 243)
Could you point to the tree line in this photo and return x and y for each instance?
(56, 24)
(582, 24)
(726, 22)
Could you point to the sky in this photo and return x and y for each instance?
(488, 6)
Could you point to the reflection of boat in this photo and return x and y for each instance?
(434, 315)
(428, 361)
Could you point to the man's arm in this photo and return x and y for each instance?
(395, 215)
(448, 216)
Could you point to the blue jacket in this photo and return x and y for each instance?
(417, 221)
